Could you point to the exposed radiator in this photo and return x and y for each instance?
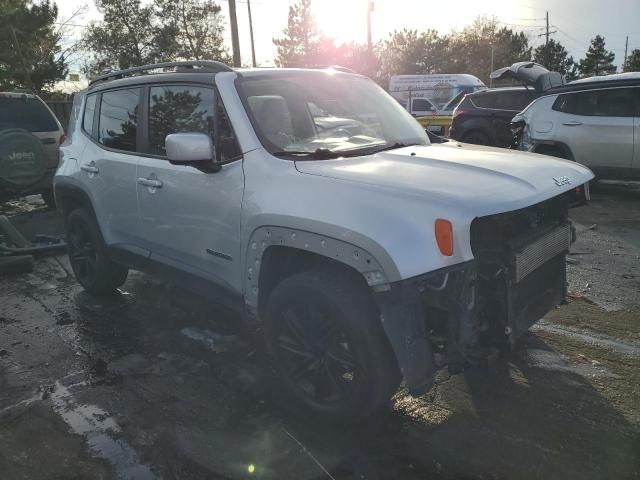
(535, 254)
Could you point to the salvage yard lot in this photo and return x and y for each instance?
(157, 383)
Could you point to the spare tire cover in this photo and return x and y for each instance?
(23, 160)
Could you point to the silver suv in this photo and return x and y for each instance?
(365, 254)
(594, 121)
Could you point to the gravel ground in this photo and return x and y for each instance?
(155, 382)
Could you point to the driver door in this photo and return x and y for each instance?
(190, 218)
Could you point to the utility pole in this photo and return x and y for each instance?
(235, 43)
(626, 46)
(369, 10)
(253, 48)
(490, 78)
(546, 42)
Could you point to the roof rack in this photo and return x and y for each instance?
(181, 67)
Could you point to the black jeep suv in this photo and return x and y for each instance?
(484, 117)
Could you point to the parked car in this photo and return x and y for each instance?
(484, 117)
(365, 259)
(432, 98)
(30, 136)
(594, 121)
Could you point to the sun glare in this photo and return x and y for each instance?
(343, 20)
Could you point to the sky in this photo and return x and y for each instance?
(575, 22)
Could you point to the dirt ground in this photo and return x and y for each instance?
(155, 382)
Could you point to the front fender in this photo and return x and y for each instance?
(350, 248)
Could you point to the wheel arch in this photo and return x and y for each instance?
(69, 197)
(276, 252)
(480, 125)
(544, 147)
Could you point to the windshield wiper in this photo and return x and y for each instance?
(325, 153)
(317, 154)
(392, 147)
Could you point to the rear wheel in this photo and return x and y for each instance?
(88, 255)
(326, 343)
(476, 137)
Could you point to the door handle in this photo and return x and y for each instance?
(572, 123)
(150, 182)
(89, 168)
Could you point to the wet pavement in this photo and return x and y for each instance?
(155, 382)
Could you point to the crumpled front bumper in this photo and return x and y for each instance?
(457, 317)
(403, 316)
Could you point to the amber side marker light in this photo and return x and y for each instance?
(444, 236)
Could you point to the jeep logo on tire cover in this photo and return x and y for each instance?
(21, 156)
(560, 181)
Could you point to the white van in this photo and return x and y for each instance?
(424, 95)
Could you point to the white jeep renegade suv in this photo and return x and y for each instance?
(314, 204)
(594, 121)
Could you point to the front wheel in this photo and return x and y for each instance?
(328, 347)
(88, 255)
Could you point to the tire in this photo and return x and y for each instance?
(88, 255)
(476, 137)
(326, 343)
(23, 160)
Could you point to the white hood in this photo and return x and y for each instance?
(479, 180)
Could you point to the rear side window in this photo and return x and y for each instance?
(27, 113)
(484, 101)
(618, 102)
(119, 119)
(521, 100)
(89, 110)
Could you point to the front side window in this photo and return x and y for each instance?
(175, 109)
(325, 114)
(118, 123)
(189, 109)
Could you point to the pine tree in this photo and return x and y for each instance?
(301, 41)
(633, 61)
(555, 57)
(30, 53)
(598, 60)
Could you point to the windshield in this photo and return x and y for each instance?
(26, 113)
(311, 113)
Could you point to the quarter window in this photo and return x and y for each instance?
(89, 109)
(119, 119)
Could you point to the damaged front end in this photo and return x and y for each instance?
(466, 314)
